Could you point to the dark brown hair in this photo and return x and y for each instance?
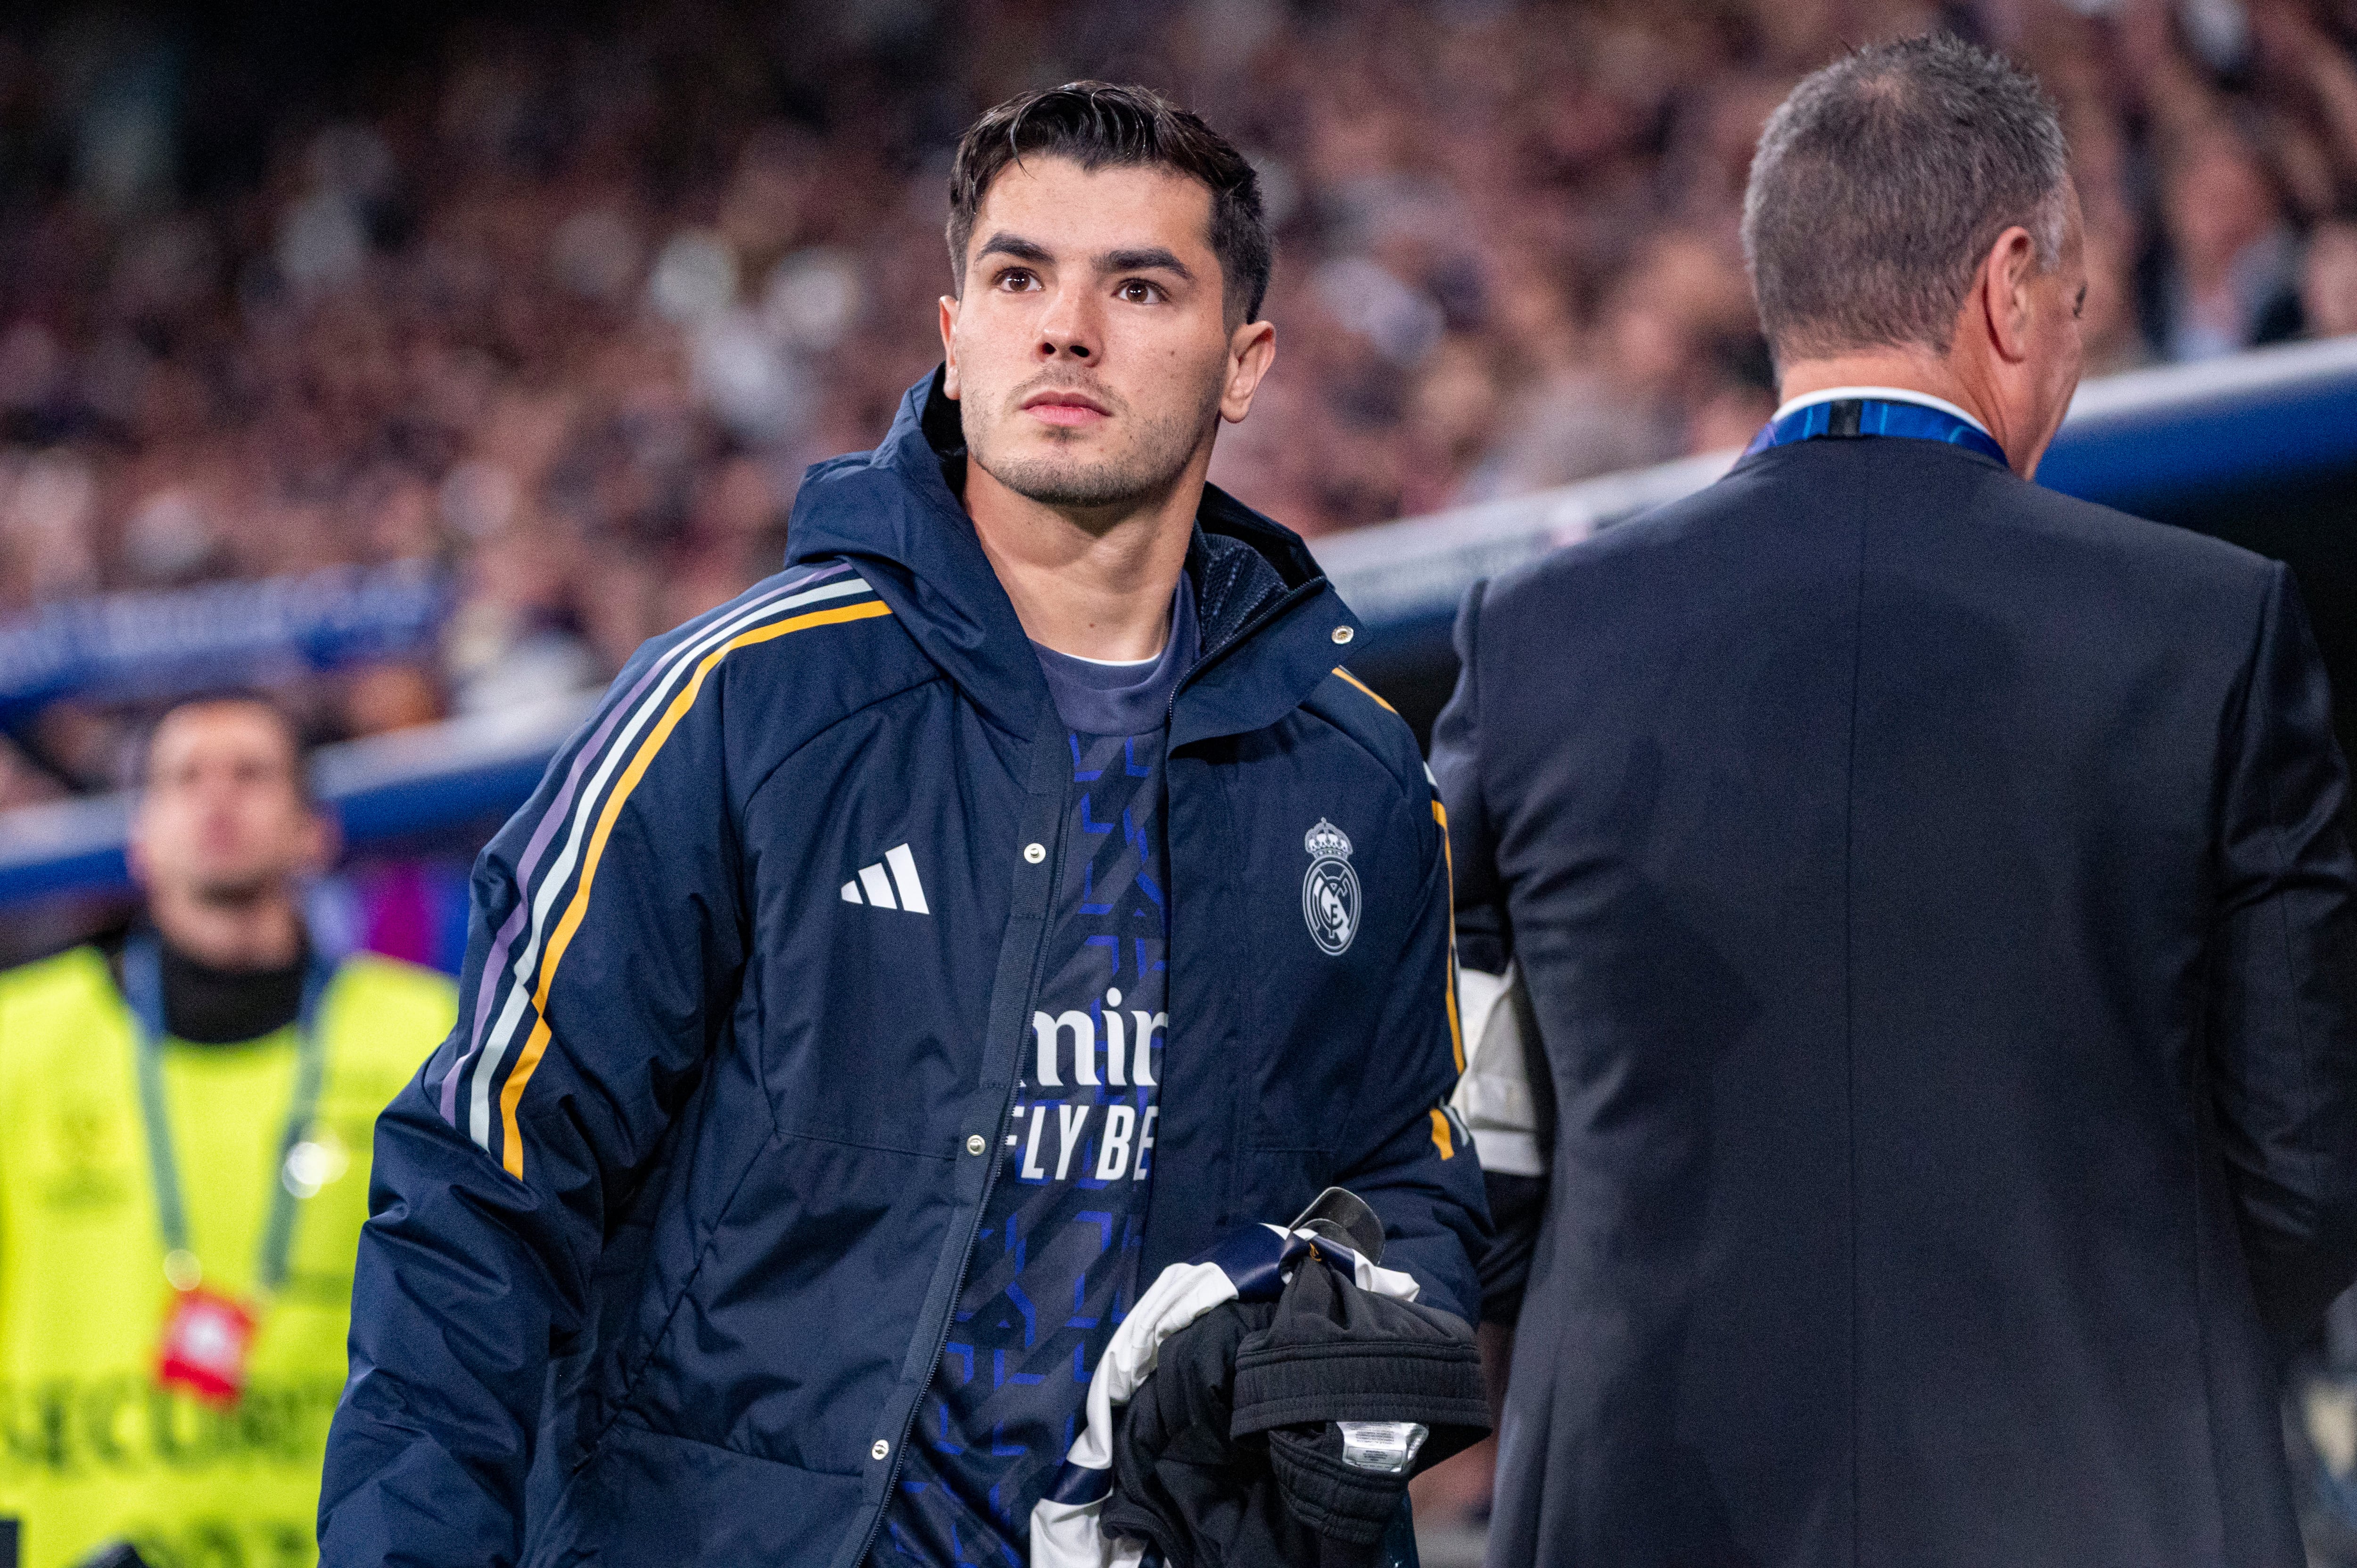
(1100, 125)
(298, 747)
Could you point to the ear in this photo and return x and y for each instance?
(949, 347)
(2006, 276)
(1251, 349)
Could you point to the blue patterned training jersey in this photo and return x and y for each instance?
(1054, 1266)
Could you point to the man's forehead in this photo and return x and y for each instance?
(213, 729)
(1057, 204)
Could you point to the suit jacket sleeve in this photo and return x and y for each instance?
(1516, 1188)
(2283, 968)
(606, 917)
(1483, 940)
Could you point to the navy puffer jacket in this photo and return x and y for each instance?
(667, 1236)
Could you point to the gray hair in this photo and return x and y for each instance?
(1882, 181)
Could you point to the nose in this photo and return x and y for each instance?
(1068, 331)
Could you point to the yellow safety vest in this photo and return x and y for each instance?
(91, 1449)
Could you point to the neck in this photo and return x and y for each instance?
(262, 932)
(1905, 370)
(1950, 377)
(1095, 583)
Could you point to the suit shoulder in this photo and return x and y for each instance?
(1820, 481)
(2172, 583)
(1636, 544)
(2164, 546)
(1350, 706)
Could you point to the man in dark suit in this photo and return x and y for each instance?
(1928, 897)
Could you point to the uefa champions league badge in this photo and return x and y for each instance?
(1330, 889)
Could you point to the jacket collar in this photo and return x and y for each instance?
(1266, 614)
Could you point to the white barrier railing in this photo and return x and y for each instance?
(1423, 565)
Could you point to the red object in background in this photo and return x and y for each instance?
(205, 1342)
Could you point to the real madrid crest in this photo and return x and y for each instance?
(1329, 888)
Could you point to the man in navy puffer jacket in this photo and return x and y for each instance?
(912, 959)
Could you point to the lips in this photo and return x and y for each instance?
(1064, 408)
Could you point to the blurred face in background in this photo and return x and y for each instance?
(2108, 326)
(2218, 201)
(2328, 284)
(1089, 350)
(222, 819)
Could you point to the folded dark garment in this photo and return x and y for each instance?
(117, 1554)
(1230, 1455)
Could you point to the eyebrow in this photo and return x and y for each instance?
(1005, 244)
(1144, 258)
(1151, 258)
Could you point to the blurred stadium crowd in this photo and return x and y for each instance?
(567, 307)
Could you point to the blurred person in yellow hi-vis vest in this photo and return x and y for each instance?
(184, 1123)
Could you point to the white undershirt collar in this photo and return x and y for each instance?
(1886, 394)
(1150, 660)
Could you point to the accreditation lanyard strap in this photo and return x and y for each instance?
(143, 987)
(1849, 417)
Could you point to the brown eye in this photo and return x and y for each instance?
(1137, 291)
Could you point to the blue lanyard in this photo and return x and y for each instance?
(1848, 417)
(143, 988)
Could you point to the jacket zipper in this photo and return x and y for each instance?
(966, 1256)
(998, 1150)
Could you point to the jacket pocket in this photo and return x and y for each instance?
(652, 1500)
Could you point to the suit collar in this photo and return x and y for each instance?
(1880, 395)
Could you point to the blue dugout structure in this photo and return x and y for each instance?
(134, 645)
(2260, 449)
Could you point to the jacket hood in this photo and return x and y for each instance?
(893, 512)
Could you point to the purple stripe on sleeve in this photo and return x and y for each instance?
(496, 963)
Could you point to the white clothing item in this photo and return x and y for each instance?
(1494, 1098)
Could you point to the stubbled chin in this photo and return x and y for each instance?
(231, 892)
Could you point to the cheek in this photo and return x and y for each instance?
(1195, 370)
(972, 349)
(992, 347)
(984, 384)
